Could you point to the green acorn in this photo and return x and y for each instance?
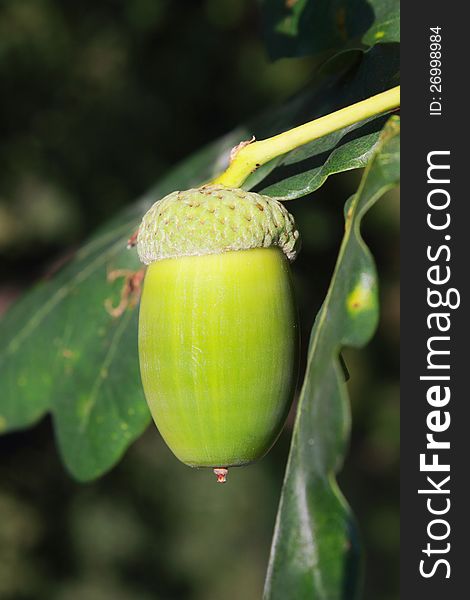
(218, 331)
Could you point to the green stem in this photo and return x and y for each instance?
(251, 156)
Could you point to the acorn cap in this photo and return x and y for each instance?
(212, 220)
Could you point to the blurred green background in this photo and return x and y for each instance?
(98, 100)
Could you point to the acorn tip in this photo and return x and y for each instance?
(221, 474)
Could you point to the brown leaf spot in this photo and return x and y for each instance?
(130, 291)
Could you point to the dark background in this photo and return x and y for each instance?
(97, 101)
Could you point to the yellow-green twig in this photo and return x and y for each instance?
(251, 156)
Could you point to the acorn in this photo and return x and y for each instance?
(218, 328)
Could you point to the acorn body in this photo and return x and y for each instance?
(218, 332)
(218, 346)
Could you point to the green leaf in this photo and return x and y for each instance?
(314, 552)
(324, 27)
(352, 154)
(305, 169)
(63, 353)
(386, 25)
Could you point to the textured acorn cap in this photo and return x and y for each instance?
(212, 220)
